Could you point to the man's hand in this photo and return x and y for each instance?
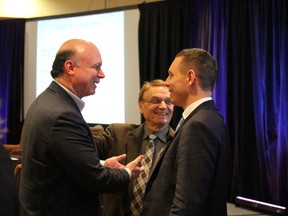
(113, 162)
(135, 169)
(97, 129)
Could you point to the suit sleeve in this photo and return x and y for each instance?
(104, 141)
(74, 148)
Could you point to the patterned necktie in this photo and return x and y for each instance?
(180, 123)
(141, 181)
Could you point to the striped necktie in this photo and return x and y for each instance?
(141, 181)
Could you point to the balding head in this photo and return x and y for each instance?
(75, 44)
(72, 49)
(77, 66)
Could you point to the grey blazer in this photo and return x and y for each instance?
(192, 175)
(121, 139)
(61, 172)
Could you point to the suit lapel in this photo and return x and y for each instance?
(62, 93)
(134, 143)
(207, 104)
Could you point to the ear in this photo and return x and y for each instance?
(191, 77)
(69, 66)
(140, 105)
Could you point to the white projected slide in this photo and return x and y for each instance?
(113, 101)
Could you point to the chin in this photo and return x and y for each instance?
(163, 120)
(93, 91)
(89, 94)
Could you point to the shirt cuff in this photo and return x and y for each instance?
(102, 162)
(129, 172)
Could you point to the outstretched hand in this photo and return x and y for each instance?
(114, 162)
(135, 169)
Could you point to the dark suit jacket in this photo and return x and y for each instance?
(121, 139)
(61, 173)
(191, 177)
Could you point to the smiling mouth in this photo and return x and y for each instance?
(162, 114)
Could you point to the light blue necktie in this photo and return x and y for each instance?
(180, 123)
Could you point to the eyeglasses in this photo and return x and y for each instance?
(159, 101)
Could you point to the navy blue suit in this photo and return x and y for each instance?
(192, 176)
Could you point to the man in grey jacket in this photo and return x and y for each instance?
(157, 109)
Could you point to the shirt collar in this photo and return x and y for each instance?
(194, 105)
(161, 134)
(80, 103)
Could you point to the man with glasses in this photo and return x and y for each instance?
(156, 107)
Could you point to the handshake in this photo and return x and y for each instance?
(135, 170)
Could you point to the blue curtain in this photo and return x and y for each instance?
(269, 46)
(249, 39)
(250, 42)
(11, 78)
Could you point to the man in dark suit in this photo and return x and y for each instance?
(192, 176)
(61, 171)
(156, 107)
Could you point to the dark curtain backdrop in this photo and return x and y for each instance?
(161, 35)
(12, 34)
(249, 39)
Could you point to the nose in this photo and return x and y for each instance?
(101, 74)
(166, 83)
(162, 104)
